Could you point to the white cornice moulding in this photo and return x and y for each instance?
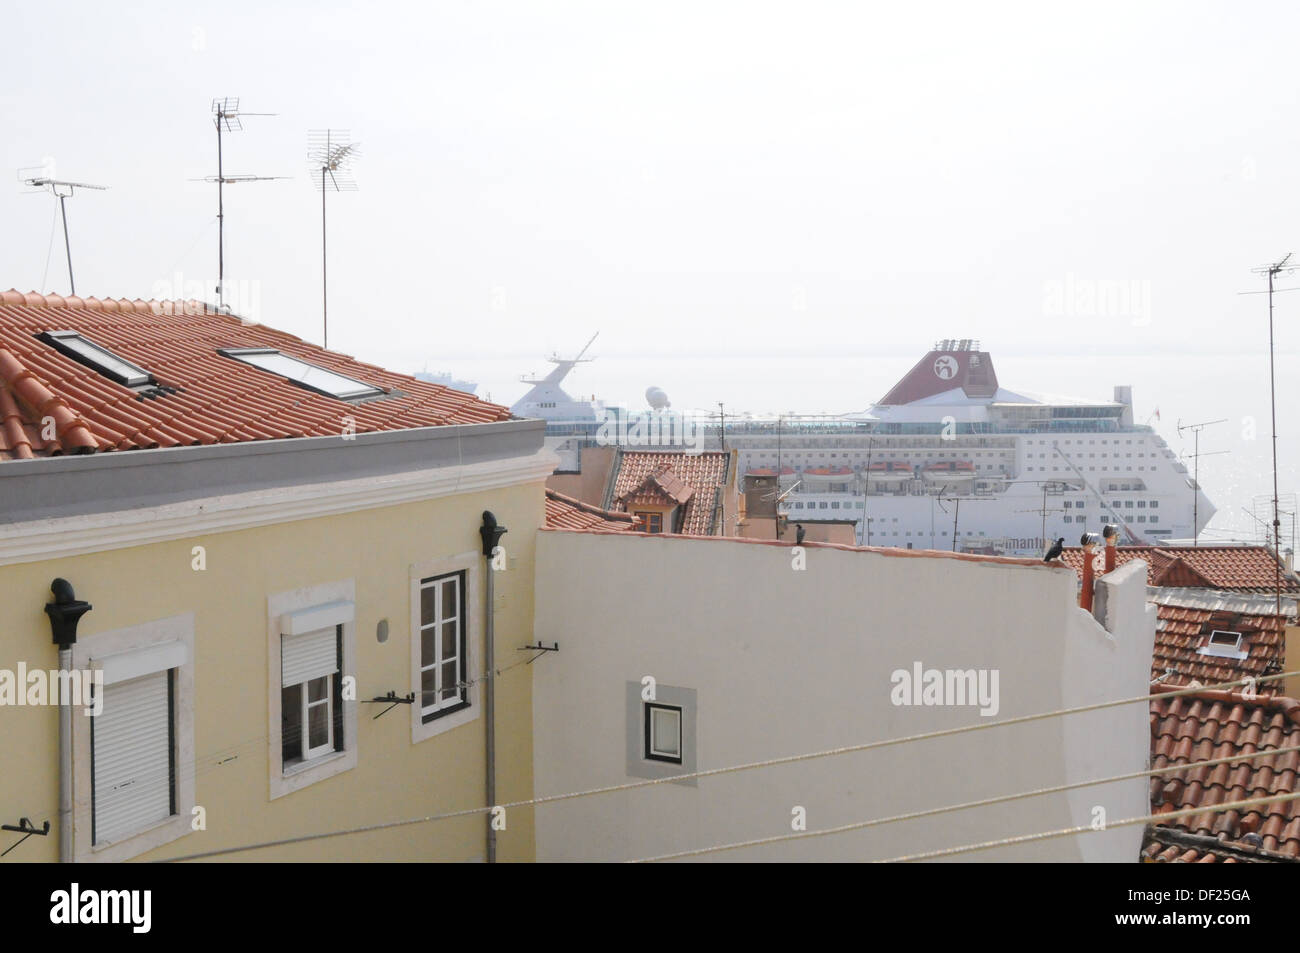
(63, 536)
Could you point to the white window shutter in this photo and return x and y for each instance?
(308, 655)
(144, 661)
(132, 754)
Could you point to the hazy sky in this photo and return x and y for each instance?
(721, 189)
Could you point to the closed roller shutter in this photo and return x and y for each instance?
(308, 655)
(132, 755)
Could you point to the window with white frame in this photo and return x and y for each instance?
(663, 732)
(134, 754)
(443, 672)
(311, 724)
(311, 648)
(133, 743)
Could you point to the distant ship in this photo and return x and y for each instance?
(947, 459)
(446, 380)
(950, 459)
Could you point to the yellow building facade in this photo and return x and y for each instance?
(219, 595)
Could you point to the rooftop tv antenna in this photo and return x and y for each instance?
(1272, 271)
(956, 511)
(63, 191)
(330, 154)
(1196, 469)
(1054, 488)
(226, 116)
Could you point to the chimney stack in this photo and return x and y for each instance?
(1111, 535)
(1089, 549)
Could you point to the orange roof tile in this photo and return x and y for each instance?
(1214, 724)
(209, 399)
(1231, 568)
(564, 512)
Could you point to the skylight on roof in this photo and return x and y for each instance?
(87, 352)
(1224, 644)
(299, 372)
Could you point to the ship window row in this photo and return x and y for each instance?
(1128, 456)
(1127, 519)
(1081, 442)
(1104, 469)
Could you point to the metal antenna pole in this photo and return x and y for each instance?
(226, 114)
(330, 153)
(1271, 271)
(776, 513)
(1196, 470)
(1042, 533)
(1272, 392)
(324, 268)
(55, 185)
(67, 245)
(221, 217)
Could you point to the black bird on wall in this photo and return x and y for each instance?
(1058, 547)
(798, 534)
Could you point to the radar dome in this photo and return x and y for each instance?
(656, 398)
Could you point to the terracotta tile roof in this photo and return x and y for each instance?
(704, 474)
(208, 398)
(1163, 846)
(1182, 630)
(564, 512)
(1231, 568)
(1214, 724)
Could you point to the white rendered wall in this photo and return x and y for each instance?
(785, 661)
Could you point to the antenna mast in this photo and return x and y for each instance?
(1271, 271)
(225, 113)
(1196, 470)
(330, 153)
(63, 191)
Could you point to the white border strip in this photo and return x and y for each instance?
(36, 540)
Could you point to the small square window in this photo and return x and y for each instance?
(663, 733)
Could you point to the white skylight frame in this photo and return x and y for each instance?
(302, 373)
(1224, 643)
(81, 349)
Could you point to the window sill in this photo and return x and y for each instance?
(431, 716)
(298, 767)
(149, 838)
(127, 838)
(297, 777)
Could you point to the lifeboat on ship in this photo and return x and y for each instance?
(890, 472)
(821, 478)
(788, 475)
(949, 471)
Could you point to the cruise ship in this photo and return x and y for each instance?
(948, 459)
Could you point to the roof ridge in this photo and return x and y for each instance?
(590, 507)
(35, 299)
(1288, 706)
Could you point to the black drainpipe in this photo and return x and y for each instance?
(65, 612)
(491, 534)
